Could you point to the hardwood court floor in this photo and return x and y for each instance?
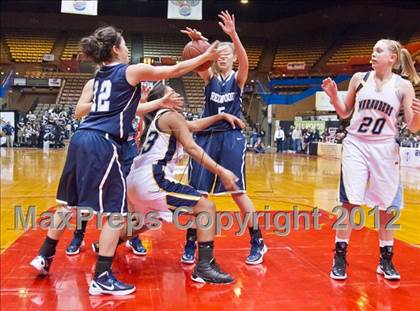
(294, 275)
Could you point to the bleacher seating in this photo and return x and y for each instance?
(415, 37)
(254, 48)
(357, 43)
(164, 44)
(4, 53)
(28, 47)
(194, 90)
(297, 50)
(71, 48)
(417, 90)
(72, 89)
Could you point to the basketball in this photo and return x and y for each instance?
(195, 48)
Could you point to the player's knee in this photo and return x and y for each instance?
(205, 205)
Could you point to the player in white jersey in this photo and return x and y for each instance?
(151, 184)
(370, 160)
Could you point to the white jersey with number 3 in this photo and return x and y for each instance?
(159, 148)
(376, 111)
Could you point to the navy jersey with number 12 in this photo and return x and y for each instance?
(114, 102)
(222, 95)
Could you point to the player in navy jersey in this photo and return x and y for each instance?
(92, 177)
(129, 151)
(223, 94)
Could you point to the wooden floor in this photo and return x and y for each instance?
(293, 276)
(29, 177)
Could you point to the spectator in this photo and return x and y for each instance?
(317, 136)
(20, 131)
(31, 117)
(340, 134)
(253, 138)
(8, 130)
(297, 139)
(325, 134)
(279, 137)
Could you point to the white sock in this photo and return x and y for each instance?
(338, 240)
(383, 243)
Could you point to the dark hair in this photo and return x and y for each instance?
(98, 46)
(158, 91)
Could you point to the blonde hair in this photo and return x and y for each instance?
(225, 43)
(404, 61)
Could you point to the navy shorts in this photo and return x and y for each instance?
(227, 149)
(129, 152)
(93, 175)
(177, 194)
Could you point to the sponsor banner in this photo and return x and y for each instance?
(296, 66)
(185, 9)
(48, 57)
(410, 157)
(322, 101)
(79, 7)
(54, 82)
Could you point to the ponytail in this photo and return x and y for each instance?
(98, 46)
(408, 68)
(404, 63)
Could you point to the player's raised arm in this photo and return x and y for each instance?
(196, 35)
(343, 109)
(144, 72)
(228, 26)
(411, 106)
(85, 101)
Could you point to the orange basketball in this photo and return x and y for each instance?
(195, 48)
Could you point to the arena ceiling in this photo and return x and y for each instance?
(254, 11)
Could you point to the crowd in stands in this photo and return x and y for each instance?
(52, 128)
(298, 140)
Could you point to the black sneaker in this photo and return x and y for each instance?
(107, 283)
(338, 271)
(75, 245)
(136, 246)
(210, 272)
(386, 267)
(95, 247)
(42, 264)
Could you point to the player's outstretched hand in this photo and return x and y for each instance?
(145, 90)
(229, 180)
(330, 87)
(235, 122)
(194, 34)
(214, 52)
(416, 106)
(172, 100)
(228, 23)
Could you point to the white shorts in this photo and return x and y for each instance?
(370, 174)
(149, 190)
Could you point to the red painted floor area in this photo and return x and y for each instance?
(294, 275)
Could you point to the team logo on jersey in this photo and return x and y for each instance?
(376, 105)
(221, 99)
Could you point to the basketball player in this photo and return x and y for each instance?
(92, 176)
(370, 171)
(227, 146)
(129, 151)
(151, 184)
